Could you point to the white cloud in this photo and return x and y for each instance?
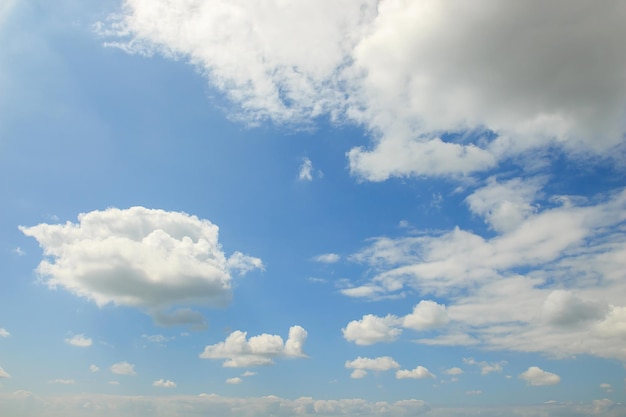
(4, 374)
(473, 392)
(19, 251)
(453, 371)
(157, 338)
(426, 315)
(113, 382)
(258, 350)
(4, 332)
(79, 340)
(139, 257)
(562, 308)
(327, 258)
(248, 373)
(372, 329)
(164, 383)
(123, 368)
(234, 381)
(306, 169)
(485, 367)
(537, 377)
(62, 381)
(93, 368)
(362, 365)
(417, 373)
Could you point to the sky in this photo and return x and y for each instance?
(316, 208)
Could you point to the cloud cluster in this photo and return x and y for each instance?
(260, 350)
(485, 367)
(372, 329)
(139, 257)
(537, 377)
(503, 78)
(550, 278)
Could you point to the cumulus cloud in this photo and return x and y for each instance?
(362, 365)
(241, 352)
(4, 332)
(410, 72)
(4, 374)
(327, 258)
(426, 315)
(79, 340)
(93, 368)
(234, 381)
(139, 257)
(417, 373)
(162, 383)
(537, 377)
(562, 308)
(372, 329)
(123, 368)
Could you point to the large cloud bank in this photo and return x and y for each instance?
(512, 76)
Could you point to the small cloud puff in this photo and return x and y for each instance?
(164, 383)
(234, 381)
(62, 381)
(93, 368)
(79, 340)
(4, 332)
(327, 258)
(418, 373)
(4, 374)
(362, 365)
(123, 368)
(536, 376)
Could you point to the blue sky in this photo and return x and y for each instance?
(337, 208)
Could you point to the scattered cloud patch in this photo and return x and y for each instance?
(113, 382)
(362, 365)
(453, 371)
(93, 368)
(372, 329)
(327, 258)
(19, 251)
(145, 258)
(123, 368)
(305, 170)
(473, 392)
(536, 376)
(419, 372)
(4, 374)
(4, 332)
(162, 383)
(485, 367)
(241, 352)
(248, 373)
(79, 340)
(62, 381)
(157, 338)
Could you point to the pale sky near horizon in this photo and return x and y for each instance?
(315, 207)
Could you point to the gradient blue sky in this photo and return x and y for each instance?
(337, 208)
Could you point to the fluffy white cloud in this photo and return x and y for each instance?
(327, 258)
(536, 376)
(426, 315)
(362, 365)
(123, 368)
(139, 257)
(372, 329)
(62, 381)
(259, 350)
(564, 308)
(79, 340)
(417, 373)
(306, 169)
(4, 374)
(164, 383)
(93, 368)
(4, 332)
(234, 381)
(408, 71)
